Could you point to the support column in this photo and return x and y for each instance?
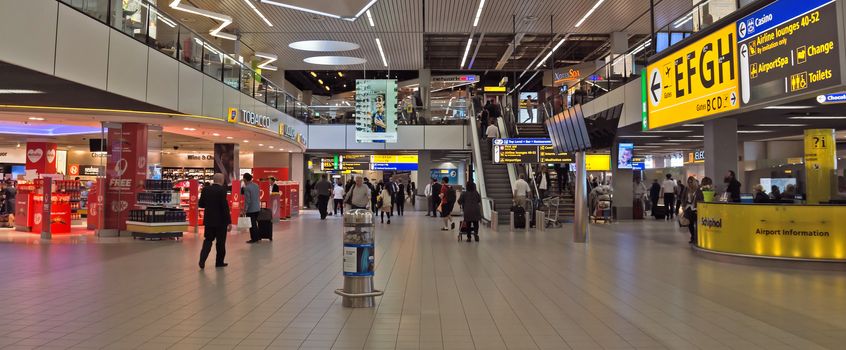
(226, 161)
(580, 217)
(298, 173)
(720, 150)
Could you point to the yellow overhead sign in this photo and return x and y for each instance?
(696, 81)
(598, 162)
(494, 88)
(403, 158)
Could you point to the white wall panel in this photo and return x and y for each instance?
(231, 99)
(162, 80)
(444, 137)
(28, 36)
(127, 66)
(190, 90)
(81, 48)
(213, 98)
(408, 137)
(326, 136)
(351, 144)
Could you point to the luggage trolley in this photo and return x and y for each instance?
(602, 209)
(552, 210)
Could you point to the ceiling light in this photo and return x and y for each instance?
(478, 13)
(753, 131)
(466, 51)
(269, 58)
(229, 137)
(340, 74)
(788, 107)
(363, 9)
(345, 85)
(683, 140)
(598, 2)
(697, 136)
(326, 87)
(320, 81)
(323, 45)
(381, 52)
(638, 136)
(668, 131)
(334, 60)
(20, 91)
(693, 125)
(681, 21)
(215, 134)
(370, 19)
(314, 74)
(551, 52)
(780, 125)
(819, 117)
(189, 129)
(36, 118)
(261, 145)
(205, 13)
(271, 147)
(256, 10)
(246, 141)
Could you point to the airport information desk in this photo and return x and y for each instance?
(780, 231)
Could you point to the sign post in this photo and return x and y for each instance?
(820, 164)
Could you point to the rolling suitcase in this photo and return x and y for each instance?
(660, 212)
(265, 224)
(519, 216)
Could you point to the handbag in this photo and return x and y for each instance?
(244, 222)
(684, 221)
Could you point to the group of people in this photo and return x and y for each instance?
(217, 218)
(383, 198)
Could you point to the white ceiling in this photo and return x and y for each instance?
(400, 24)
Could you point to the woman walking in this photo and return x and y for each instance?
(384, 202)
(471, 203)
(692, 195)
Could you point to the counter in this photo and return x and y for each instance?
(781, 231)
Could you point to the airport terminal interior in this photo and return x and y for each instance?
(422, 174)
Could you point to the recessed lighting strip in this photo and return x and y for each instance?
(478, 13)
(381, 52)
(590, 12)
(176, 5)
(543, 61)
(466, 51)
(256, 10)
(370, 19)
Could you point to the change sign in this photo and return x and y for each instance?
(788, 47)
(696, 81)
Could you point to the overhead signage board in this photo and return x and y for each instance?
(528, 150)
(838, 97)
(402, 158)
(328, 164)
(375, 111)
(494, 88)
(394, 166)
(788, 47)
(464, 78)
(696, 81)
(598, 162)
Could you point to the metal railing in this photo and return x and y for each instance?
(146, 23)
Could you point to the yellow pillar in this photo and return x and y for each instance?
(820, 164)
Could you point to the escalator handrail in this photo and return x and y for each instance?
(478, 165)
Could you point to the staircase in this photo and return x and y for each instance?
(532, 131)
(497, 184)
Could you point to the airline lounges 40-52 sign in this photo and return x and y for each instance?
(696, 81)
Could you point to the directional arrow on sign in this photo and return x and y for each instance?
(733, 98)
(655, 87)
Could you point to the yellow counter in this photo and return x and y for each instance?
(785, 231)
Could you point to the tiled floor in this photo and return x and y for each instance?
(636, 285)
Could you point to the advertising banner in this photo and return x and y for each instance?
(695, 81)
(788, 47)
(235, 201)
(94, 220)
(820, 164)
(41, 157)
(450, 174)
(376, 111)
(625, 154)
(786, 231)
(226, 161)
(126, 170)
(194, 203)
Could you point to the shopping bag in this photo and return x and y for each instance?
(244, 222)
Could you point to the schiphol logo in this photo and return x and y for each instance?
(711, 223)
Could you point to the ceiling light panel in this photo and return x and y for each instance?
(323, 45)
(466, 51)
(334, 60)
(381, 52)
(256, 10)
(268, 59)
(370, 19)
(478, 13)
(592, 9)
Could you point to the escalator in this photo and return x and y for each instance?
(567, 206)
(497, 183)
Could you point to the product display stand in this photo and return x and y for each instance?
(159, 215)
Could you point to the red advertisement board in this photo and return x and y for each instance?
(95, 205)
(41, 157)
(125, 172)
(235, 201)
(56, 213)
(262, 174)
(193, 203)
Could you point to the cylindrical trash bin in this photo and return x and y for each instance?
(358, 260)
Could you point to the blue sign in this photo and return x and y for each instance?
(450, 174)
(393, 166)
(638, 166)
(529, 142)
(774, 15)
(839, 97)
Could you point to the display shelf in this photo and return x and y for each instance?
(157, 224)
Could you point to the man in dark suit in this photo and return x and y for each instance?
(217, 221)
(400, 198)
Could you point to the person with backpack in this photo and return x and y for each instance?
(447, 203)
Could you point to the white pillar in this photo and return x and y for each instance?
(721, 150)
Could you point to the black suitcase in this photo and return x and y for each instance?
(265, 224)
(519, 216)
(660, 212)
